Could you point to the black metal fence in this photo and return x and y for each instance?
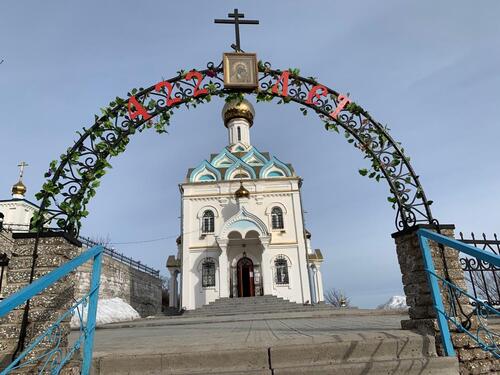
(483, 278)
(120, 257)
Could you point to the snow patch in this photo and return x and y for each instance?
(394, 303)
(108, 311)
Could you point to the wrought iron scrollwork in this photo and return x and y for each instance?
(482, 277)
(72, 179)
(487, 339)
(54, 355)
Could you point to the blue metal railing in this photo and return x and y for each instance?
(53, 360)
(483, 336)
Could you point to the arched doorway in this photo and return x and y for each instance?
(246, 286)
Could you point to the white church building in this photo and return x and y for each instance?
(242, 226)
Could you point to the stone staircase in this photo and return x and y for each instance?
(409, 354)
(268, 338)
(251, 305)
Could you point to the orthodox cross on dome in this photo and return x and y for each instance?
(237, 21)
(21, 166)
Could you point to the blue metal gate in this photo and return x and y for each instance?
(56, 356)
(482, 335)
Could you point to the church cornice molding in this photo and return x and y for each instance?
(260, 194)
(19, 203)
(255, 180)
(272, 245)
(203, 248)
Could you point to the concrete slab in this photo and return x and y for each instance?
(286, 343)
(258, 332)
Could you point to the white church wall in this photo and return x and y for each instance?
(17, 214)
(220, 198)
(204, 295)
(264, 195)
(294, 290)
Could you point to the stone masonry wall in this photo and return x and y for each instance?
(139, 289)
(46, 307)
(422, 314)
(6, 247)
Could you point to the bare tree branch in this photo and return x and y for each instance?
(337, 298)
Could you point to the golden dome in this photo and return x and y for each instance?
(238, 108)
(19, 188)
(242, 192)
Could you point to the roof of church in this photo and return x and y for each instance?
(19, 200)
(235, 162)
(316, 256)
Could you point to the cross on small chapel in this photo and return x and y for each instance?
(21, 166)
(237, 22)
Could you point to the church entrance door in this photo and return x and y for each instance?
(246, 287)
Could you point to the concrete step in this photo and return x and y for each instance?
(251, 305)
(255, 310)
(413, 354)
(424, 366)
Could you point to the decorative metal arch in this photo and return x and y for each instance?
(72, 180)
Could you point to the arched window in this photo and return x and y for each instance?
(239, 133)
(281, 266)
(208, 273)
(277, 218)
(208, 222)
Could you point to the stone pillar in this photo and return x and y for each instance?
(54, 249)
(6, 247)
(223, 270)
(312, 280)
(418, 298)
(172, 289)
(266, 268)
(319, 281)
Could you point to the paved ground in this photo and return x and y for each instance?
(176, 334)
(327, 342)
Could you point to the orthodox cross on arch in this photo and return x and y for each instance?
(237, 21)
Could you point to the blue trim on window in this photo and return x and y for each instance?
(204, 165)
(257, 154)
(275, 162)
(207, 177)
(275, 174)
(244, 166)
(221, 155)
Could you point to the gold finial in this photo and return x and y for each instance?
(238, 108)
(18, 190)
(242, 192)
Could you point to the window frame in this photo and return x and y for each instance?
(208, 273)
(281, 265)
(280, 221)
(208, 222)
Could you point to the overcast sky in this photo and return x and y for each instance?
(429, 70)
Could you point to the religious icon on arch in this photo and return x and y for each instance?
(240, 71)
